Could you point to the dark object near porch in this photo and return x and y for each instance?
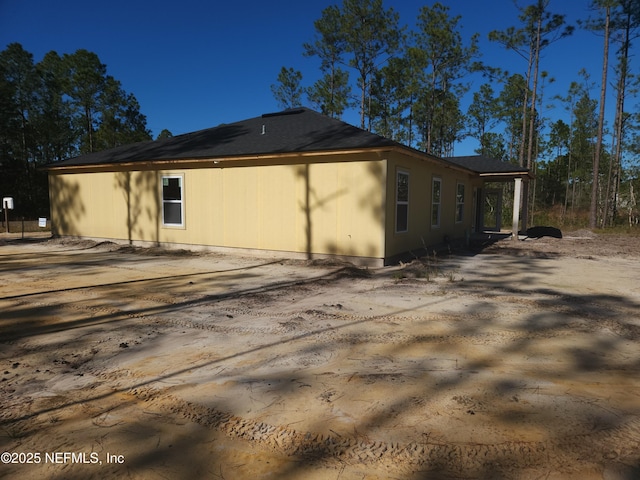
(539, 232)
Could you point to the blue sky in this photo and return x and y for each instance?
(194, 64)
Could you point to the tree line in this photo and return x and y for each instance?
(407, 85)
(60, 107)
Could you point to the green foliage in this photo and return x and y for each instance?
(371, 33)
(411, 84)
(446, 61)
(330, 42)
(482, 116)
(288, 91)
(52, 110)
(331, 93)
(389, 100)
(510, 105)
(492, 145)
(164, 134)
(360, 34)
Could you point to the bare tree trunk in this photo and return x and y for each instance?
(534, 92)
(610, 206)
(89, 119)
(632, 203)
(527, 137)
(606, 218)
(430, 112)
(566, 194)
(593, 210)
(616, 159)
(333, 89)
(411, 122)
(525, 105)
(362, 101)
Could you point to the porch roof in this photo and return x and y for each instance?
(491, 168)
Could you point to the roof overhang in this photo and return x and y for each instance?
(248, 160)
(217, 162)
(288, 158)
(506, 176)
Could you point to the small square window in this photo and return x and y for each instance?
(172, 200)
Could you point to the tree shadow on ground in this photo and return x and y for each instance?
(484, 364)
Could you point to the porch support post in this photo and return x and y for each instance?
(524, 214)
(516, 208)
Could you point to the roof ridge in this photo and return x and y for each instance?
(288, 111)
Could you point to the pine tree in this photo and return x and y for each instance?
(372, 36)
(446, 61)
(288, 91)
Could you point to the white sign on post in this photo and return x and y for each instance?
(7, 204)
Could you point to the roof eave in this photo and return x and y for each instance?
(425, 156)
(501, 176)
(218, 162)
(222, 161)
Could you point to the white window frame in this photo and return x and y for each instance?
(436, 204)
(460, 202)
(169, 176)
(402, 203)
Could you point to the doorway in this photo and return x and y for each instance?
(492, 210)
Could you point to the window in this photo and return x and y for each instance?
(459, 202)
(402, 202)
(172, 198)
(436, 195)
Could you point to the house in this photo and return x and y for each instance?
(295, 183)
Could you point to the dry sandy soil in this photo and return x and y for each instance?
(520, 361)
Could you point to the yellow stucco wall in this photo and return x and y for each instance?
(315, 206)
(335, 204)
(420, 230)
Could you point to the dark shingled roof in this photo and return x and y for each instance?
(486, 165)
(291, 131)
(297, 130)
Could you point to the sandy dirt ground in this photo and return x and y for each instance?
(517, 361)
